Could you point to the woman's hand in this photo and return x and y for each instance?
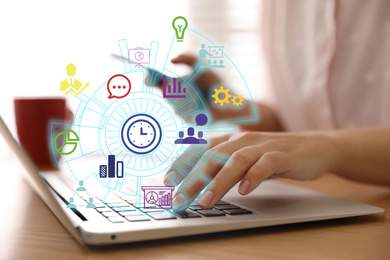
(253, 157)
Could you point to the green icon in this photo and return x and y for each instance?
(180, 25)
(70, 142)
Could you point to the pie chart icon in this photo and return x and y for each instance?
(65, 143)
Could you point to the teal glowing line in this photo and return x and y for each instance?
(116, 119)
(129, 108)
(72, 172)
(120, 49)
(169, 51)
(120, 114)
(254, 108)
(116, 148)
(114, 143)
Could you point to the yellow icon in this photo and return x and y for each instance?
(70, 85)
(235, 102)
(223, 100)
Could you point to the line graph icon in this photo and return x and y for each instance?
(213, 58)
(171, 91)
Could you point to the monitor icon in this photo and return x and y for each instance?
(139, 56)
(157, 196)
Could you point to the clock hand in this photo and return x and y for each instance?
(142, 133)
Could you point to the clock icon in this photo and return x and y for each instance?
(141, 134)
(139, 56)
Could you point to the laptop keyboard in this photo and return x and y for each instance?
(120, 211)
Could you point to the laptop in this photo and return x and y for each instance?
(121, 220)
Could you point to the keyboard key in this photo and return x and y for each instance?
(131, 213)
(237, 211)
(102, 206)
(110, 214)
(106, 209)
(116, 219)
(162, 216)
(118, 205)
(221, 202)
(137, 218)
(129, 208)
(223, 207)
(187, 214)
(210, 212)
(195, 207)
(152, 210)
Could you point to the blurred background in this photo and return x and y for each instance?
(39, 38)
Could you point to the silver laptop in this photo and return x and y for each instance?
(121, 220)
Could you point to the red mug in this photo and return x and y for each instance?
(34, 117)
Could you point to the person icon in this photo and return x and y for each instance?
(190, 139)
(203, 53)
(81, 188)
(180, 140)
(152, 199)
(72, 85)
(200, 138)
(90, 204)
(71, 205)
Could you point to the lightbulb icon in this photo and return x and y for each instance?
(179, 25)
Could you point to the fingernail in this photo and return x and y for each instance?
(244, 187)
(206, 198)
(168, 181)
(178, 200)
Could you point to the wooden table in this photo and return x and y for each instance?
(30, 231)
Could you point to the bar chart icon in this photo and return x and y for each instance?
(173, 91)
(113, 171)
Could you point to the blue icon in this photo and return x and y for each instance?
(141, 134)
(111, 168)
(200, 120)
(190, 139)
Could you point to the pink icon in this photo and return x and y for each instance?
(157, 196)
(169, 92)
(118, 86)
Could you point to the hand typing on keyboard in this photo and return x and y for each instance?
(252, 157)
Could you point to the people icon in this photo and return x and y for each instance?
(90, 204)
(71, 205)
(190, 139)
(81, 188)
(200, 138)
(72, 85)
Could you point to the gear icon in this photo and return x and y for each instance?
(225, 99)
(234, 100)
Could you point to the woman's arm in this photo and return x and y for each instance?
(360, 155)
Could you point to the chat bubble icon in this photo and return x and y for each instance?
(201, 119)
(118, 86)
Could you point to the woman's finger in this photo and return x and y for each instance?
(231, 173)
(270, 163)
